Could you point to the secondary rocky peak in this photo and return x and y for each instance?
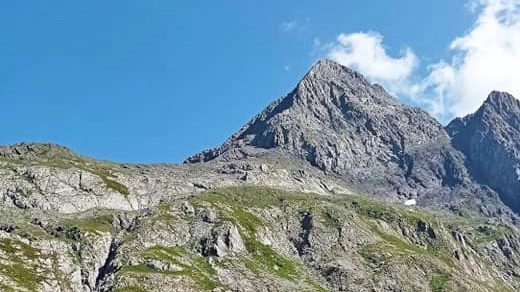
(490, 139)
(499, 108)
(502, 101)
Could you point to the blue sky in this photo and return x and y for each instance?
(156, 81)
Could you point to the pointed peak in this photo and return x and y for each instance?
(325, 64)
(327, 69)
(501, 99)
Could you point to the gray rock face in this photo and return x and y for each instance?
(337, 121)
(222, 240)
(52, 178)
(490, 138)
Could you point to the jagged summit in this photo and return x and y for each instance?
(501, 107)
(327, 96)
(502, 100)
(330, 70)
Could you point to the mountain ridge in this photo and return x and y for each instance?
(340, 123)
(385, 148)
(308, 196)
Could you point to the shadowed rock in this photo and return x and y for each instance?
(490, 138)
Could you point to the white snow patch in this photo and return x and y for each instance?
(411, 202)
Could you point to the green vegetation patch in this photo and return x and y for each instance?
(20, 267)
(480, 230)
(399, 243)
(100, 222)
(393, 245)
(116, 186)
(263, 257)
(438, 282)
(239, 199)
(169, 254)
(315, 286)
(191, 265)
(488, 232)
(237, 204)
(371, 208)
(374, 209)
(101, 169)
(501, 286)
(255, 197)
(329, 218)
(246, 220)
(130, 289)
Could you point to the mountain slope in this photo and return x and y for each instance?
(490, 138)
(258, 239)
(53, 178)
(337, 121)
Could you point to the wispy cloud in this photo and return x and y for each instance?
(485, 58)
(318, 48)
(295, 25)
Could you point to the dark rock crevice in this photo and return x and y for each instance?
(103, 278)
(302, 243)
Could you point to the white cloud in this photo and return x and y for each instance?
(365, 53)
(485, 58)
(295, 25)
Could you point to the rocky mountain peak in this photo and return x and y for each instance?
(490, 139)
(327, 75)
(330, 70)
(340, 123)
(500, 108)
(502, 101)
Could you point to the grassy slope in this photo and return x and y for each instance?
(246, 206)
